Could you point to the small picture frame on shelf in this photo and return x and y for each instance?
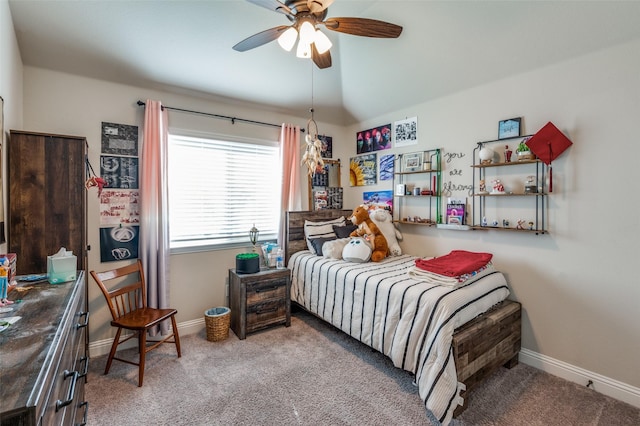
(510, 128)
(412, 162)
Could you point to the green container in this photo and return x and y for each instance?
(247, 263)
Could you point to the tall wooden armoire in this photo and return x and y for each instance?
(47, 198)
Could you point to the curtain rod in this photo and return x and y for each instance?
(222, 117)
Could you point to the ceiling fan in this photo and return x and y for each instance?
(306, 16)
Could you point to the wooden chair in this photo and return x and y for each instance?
(128, 305)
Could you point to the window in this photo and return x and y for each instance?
(218, 189)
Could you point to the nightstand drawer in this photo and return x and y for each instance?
(266, 290)
(266, 313)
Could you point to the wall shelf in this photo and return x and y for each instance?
(417, 170)
(406, 222)
(481, 199)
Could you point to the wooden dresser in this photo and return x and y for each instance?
(259, 300)
(43, 356)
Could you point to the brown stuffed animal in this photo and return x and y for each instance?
(370, 231)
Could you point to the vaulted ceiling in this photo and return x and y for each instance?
(186, 46)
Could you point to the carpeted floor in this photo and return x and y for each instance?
(312, 374)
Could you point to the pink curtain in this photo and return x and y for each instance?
(154, 216)
(291, 192)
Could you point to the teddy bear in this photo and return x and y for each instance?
(369, 231)
(384, 220)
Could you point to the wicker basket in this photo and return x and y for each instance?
(217, 321)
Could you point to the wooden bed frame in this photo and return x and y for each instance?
(480, 346)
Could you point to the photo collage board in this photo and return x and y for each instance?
(120, 198)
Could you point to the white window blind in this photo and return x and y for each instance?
(218, 189)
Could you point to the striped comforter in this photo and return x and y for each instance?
(409, 320)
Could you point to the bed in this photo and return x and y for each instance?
(450, 338)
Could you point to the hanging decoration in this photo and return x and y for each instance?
(93, 180)
(312, 157)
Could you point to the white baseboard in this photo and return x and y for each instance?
(102, 347)
(604, 385)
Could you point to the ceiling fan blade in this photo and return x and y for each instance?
(259, 39)
(273, 5)
(317, 6)
(321, 60)
(363, 27)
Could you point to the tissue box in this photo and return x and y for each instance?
(11, 258)
(61, 269)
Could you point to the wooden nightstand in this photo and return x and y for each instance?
(259, 300)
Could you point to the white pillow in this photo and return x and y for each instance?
(320, 230)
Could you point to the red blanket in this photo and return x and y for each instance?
(456, 263)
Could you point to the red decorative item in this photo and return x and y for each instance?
(507, 154)
(93, 180)
(548, 143)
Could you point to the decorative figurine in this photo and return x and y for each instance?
(520, 224)
(505, 223)
(494, 223)
(482, 187)
(484, 221)
(4, 284)
(530, 226)
(498, 187)
(507, 154)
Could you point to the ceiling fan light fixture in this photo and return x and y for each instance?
(288, 38)
(306, 17)
(304, 50)
(322, 42)
(307, 32)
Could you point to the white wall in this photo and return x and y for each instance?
(10, 70)
(578, 285)
(10, 85)
(71, 105)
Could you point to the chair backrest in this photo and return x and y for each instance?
(128, 296)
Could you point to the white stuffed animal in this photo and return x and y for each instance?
(358, 250)
(333, 249)
(383, 219)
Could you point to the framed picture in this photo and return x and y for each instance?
(119, 139)
(509, 128)
(376, 139)
(363, 170)
(378, 200)
(412, 162)
(386, 166)
(327, 146)
(405, 132)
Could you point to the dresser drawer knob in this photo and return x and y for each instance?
(84, 404)
(84, 359)
(72, 389)
(86, 320)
